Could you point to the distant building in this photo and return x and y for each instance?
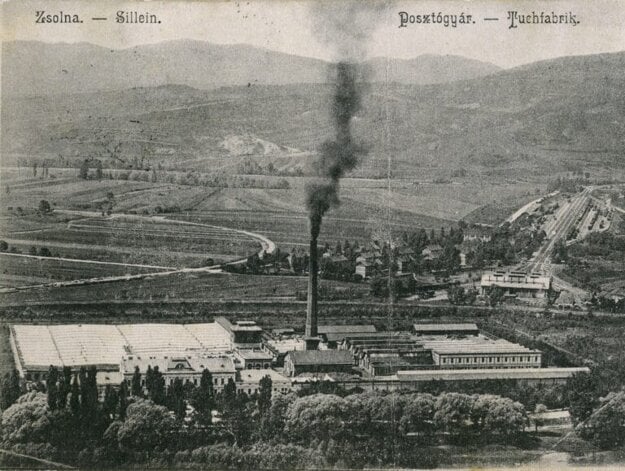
(521, 284)
(477, 351)
(248, 381)
(36, 347)
(477, 233)
(432, 252)
(243, 334)
(533, 376)
(334, 334)
(318, 361)
(365, 269)
(405, 260)
(468, 328)
(248, 358)
(385, 353)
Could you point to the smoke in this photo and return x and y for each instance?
(346, 27)
(339, 155)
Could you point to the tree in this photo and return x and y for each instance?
(453, 411)
(229, 394)
(136, 389)
(264, 394)
(44, 207)
(175, 399)
(74, 399)
(45, 252)
(65, 385)
(470, 296)
(605, 427)
(456, 294)
(98, 170)
(504, 417)
(4, 247)
(582, 396)
(11, 389)
(157, 393)
(494, 295)
(418, 414)
(84, 170)
(110, 403)
(273, 423)
(27, 420)
(146, 427)
(52, 387)
(122, 401)
(204, 398)
(538, 411)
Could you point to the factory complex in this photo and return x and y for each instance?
(241, 351)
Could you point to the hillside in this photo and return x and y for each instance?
(528, 122)
(33, 68)
(427, 69)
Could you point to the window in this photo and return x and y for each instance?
(195, 381)
(222, 381)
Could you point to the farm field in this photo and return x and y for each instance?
(181, 286)
(18, 270)
(140, 232)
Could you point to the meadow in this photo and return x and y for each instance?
(172, 225)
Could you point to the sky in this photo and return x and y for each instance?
(328, 30)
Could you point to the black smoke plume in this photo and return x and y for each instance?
(340, 154)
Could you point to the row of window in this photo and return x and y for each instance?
(505, 359)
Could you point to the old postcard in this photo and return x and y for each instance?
(284, 235)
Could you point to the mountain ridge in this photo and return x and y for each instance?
(35, 67)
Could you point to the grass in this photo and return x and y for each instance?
(186, 286)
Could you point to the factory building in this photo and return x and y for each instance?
(517, 284)
(333, 335)
(243, 334)
(318, 361)
(446, 329)
(187, 368)
(479, 352)
(248, 381)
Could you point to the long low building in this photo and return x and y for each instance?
(36, 347)
(409, 379)
(480, 352)
(524, 285)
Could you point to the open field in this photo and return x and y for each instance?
(191, 286)
(22, 270)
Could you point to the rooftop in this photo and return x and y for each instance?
(325, 329)
(469, 326)
(249, 354)
(177, 363)
(254, 376)
(104, 345)
(477, 344)
(321, 357)
(489, 373)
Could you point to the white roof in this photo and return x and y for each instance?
(75, 345)
(477, 344)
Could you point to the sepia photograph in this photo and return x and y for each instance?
(312, 234)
